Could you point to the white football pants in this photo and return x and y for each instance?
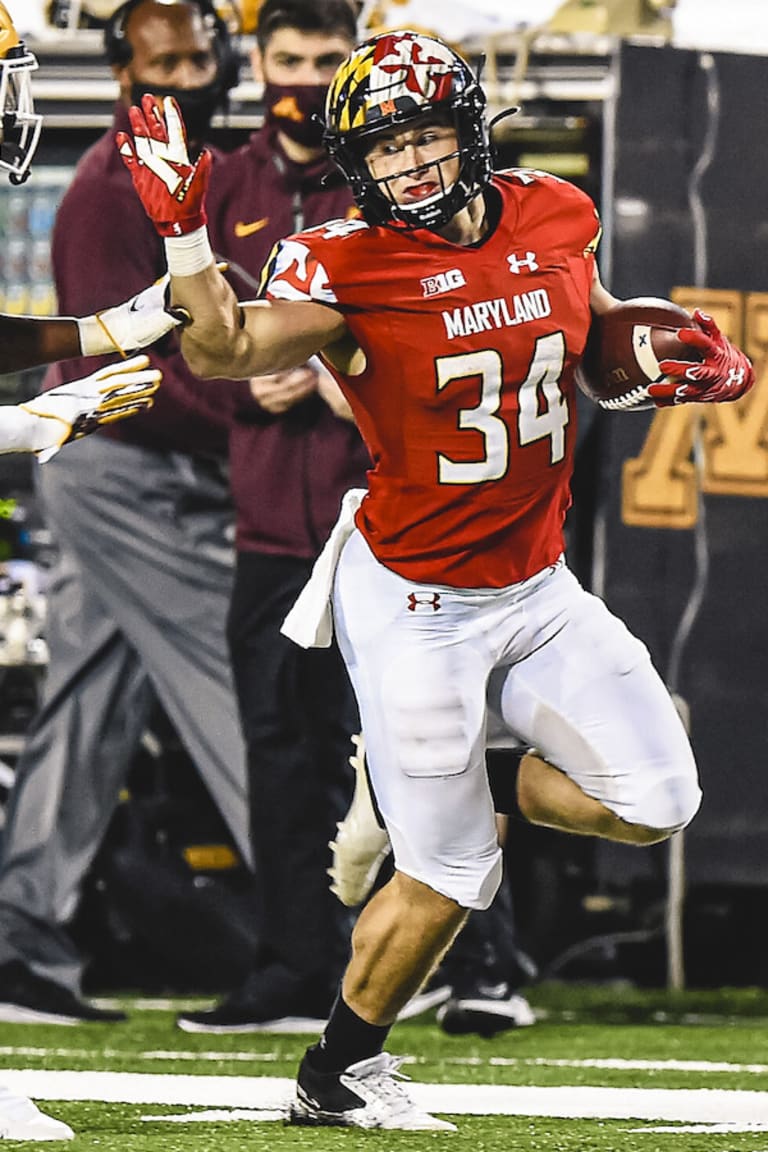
(544, 657)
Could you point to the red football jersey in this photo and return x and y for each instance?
(466, 402)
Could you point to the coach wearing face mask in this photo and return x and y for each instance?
(143, 519)
(293, 453)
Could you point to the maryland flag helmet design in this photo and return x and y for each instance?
(20, 124)
(388, 82)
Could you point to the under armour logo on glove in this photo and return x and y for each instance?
(723, 374)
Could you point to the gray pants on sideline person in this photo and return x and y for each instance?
(137, 610)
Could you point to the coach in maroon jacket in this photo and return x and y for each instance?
(292, 456)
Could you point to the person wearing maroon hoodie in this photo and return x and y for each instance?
(293, 453)
(143, 519)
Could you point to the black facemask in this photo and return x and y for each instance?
(197, 105)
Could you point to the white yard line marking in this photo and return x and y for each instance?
(644, 1065)
(745, 1127)
(153, 1003)
(697, 1106)
(261, 1116)
(607, 1064)
(148, 1088)
(102, 1054)
(222, 1116)
(660, 1016)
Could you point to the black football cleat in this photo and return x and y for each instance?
(26, 998)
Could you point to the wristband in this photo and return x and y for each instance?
(95, 337)
(187, 255)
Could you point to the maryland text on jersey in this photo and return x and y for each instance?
(485, 315)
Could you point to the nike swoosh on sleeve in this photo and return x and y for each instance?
(242, 230)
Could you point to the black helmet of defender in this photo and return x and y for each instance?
(389, 82)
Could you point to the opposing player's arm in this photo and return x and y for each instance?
(27, 341)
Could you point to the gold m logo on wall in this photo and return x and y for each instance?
(660, 487)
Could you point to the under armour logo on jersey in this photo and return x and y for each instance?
(516, 264)
(430, 600)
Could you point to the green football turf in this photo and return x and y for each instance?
(723, 1032)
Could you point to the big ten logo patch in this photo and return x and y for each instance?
(442, 282)
(660, 487)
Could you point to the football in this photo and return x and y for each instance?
(624, 348)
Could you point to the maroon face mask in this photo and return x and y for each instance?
(294, 109)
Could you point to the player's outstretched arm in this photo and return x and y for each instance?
(28, 341)
(221, 337)
(136, 323)
(53, 418)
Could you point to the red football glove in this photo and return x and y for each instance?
(171, 188)
(724, 373)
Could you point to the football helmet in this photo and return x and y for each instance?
(20, 124)
(390, 81)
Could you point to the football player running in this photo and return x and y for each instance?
(43, 424)
(453, 316)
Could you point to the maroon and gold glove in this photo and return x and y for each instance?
(724, 372)
(171, 188)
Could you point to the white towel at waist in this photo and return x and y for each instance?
(310, 622)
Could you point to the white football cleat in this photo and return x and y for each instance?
(368, 1094)
(20, 1119)
(361, 845)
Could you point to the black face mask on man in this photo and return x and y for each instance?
(197, 105)
(297, 110)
